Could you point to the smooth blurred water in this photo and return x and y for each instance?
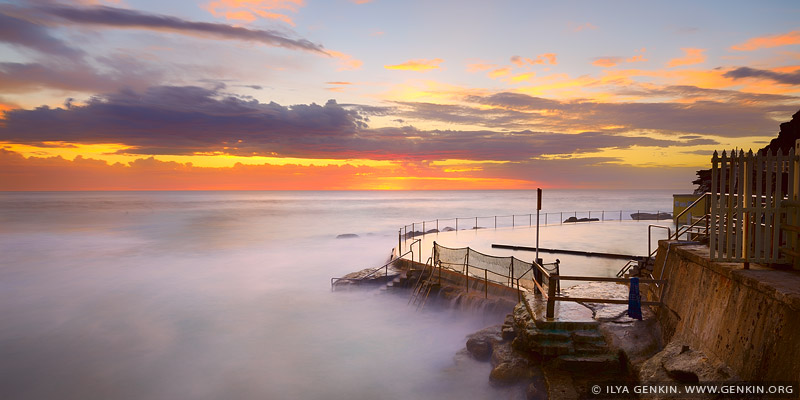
(208, 295)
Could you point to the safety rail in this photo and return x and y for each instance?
(504, 273)
(427, 227)
(552, 296)
(384, 267)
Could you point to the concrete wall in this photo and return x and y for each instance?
(748, 319)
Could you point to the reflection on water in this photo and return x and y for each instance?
(223, 295)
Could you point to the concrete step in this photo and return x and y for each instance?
(557, 325)
(550, 335)
(588, 336)
(551, 348)
(590, 348)
(589, 363)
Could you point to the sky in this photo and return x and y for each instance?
(387, 95)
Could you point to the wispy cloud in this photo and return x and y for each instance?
(792, 78)
(419, 65)
(582, 27)
(250, 10)
(762, 42)
(112, 17)
(546, 58)
(692, 56)
(607, 61)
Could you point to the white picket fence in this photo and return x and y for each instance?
(755, 213)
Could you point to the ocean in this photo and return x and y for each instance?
(210, 295)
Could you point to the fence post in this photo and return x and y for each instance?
(399, 243)
(476, 223)
(495, 222)
(551, 295)
(486, 283)
(456, 224)
(423, 228)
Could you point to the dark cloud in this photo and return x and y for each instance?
(694, 92)
(792, 78)
(78, 75)
(186, 120)
(26, 34)
(518, 111)
(124, 18)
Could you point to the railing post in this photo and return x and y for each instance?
(476, 223)
(486, 283)
(551, 295)
(399, 243)
(456, 224)
(423, 228)
(437, 225)
(495, 222)
(603, 215)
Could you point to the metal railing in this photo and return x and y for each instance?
(384, 267)
(552, 296)
(434, 226)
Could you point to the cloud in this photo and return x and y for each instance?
(361, 1)
(249, 10)
(192, 120)
(34, 36)
(583, 27)
(546, 58)
(764, 42)
(346, 61)
(419, 65)
(79, 76)
(792, 78)
(499, 72)
(131, 19)
(606, 61)
(479, 67)
(692, 56)
(519, 111)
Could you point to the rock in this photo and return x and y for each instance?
(533, 393)
(573, 219)
(432, 231)
(640, 216)
(347, 236)
(480, 349)
(482, 343)
(674, 364)
(448, 229)
(509, 373)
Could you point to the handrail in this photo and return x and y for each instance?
(552, 297)
(384, 266)
(649, 236)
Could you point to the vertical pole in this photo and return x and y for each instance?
(485, 284)
(712, 216)
(538, 207)
(456, 224)
(495, 222)
(620, 215)
(399, 243)
(603, 215)
(466, 268)
(437, 225)
(530, 219)
(476, 222)
(423, 228)
(551, 295)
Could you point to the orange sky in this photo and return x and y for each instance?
(372, 95)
